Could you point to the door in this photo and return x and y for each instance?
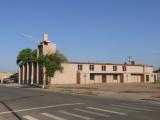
(104, 79)
(142, 78)
(78, 78)
(147, 78)
(121, 78)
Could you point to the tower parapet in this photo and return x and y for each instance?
(45, 37)
(46, 47)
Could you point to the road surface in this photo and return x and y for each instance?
(30, 104)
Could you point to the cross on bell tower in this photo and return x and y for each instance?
(45, 37)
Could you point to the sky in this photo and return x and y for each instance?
(84, 30)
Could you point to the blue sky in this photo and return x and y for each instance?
(84, 30)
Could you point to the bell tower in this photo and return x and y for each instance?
(46, 47)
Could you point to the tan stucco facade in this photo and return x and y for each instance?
(133, 74)
(84, 72)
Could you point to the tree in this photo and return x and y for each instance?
(157, 71)
(34, 55)
(24, 55)
(52, 63)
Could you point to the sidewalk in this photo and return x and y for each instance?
(13, 85)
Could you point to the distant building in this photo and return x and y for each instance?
(4, 76)
(84, 72)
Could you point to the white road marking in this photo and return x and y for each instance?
(29, 117)
(109, 111)
(122, 109)
(53, 116)
(90, 112)
(76, 115)
(38, 108)
(134, 108)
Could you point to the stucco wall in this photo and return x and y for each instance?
(133, 74)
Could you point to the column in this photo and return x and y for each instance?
(37, 73)
(23, 73)
(27, 73)
(44, 77)
(19, 79)
(32, 74)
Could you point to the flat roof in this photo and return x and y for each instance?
(98, 63)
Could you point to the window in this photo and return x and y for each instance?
(115, 77)
(91, 67)
(114, 68)
(80, 67)
(91, 76)
(103, 68)
(147, 78)
(124, 68)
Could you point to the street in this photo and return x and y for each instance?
(33, 104)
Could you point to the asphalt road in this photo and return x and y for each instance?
(29, 104)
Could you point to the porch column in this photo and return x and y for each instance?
(23, 73)
(32, 74)
(19, 79)
(44, 77)
(37, 73)
(27, 73)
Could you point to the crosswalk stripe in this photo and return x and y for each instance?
(109, 111)
(39, 108)
(29, 117)
(90, 112)
(53, 116)
(129, 107)
(76, 115)
(121, 109)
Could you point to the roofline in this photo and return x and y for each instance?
(98, 63)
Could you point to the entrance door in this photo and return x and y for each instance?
(121, 78)
(104, 79)
(78, 78)
(142, 78)
(147, 78)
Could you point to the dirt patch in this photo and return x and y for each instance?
(86, 88)
(151, 100)
(136, 92)
(128, 90)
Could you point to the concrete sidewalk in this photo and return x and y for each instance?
(14, 85)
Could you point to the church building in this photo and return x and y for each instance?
(84, 72)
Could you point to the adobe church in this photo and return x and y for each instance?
(84, 72)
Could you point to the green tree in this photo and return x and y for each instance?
(34, 55)
(52, 63)
(24, 55)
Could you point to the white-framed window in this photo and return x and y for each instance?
(91, 67)
(115, 77)
(103, 68)
(80, 67)
(114, 68)
(124, 68)
(92, 77)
